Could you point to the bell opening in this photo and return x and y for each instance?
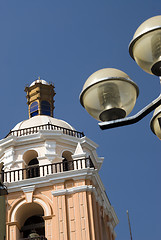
(112, 114)
(156, 68)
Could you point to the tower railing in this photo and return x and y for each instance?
(48, 126)
(44, 170)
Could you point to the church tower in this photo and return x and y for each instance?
(51, 174)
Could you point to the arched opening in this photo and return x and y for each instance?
(34, 109)
(32, 163)
(30, 219)
(29, 155)
(33, 169)
(67, 161)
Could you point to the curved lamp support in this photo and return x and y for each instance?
(133, 119)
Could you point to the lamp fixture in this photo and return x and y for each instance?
(109, 95)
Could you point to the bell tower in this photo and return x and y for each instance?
(40, 96)
(51, 172)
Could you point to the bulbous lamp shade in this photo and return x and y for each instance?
(109, 94)
(155, 123)
(145, 47)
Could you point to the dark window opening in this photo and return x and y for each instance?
(34, 113)
(34, 224)
(65, 165)
(89, 163)
(34, 109)
(67, 161)
(33, 169)
(45, 108)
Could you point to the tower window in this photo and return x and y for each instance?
(33, 170)
(34, 109)
(45, 108)
(68, 163)
(65, 165)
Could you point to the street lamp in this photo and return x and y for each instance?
(109, 95)
(155, 123)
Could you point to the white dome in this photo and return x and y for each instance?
(39, 81)
(42, 120)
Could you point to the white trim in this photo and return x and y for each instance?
(73, 190)
(43, 135)
(109, 224)
(50, 157)
(20, 148)
(50, 179)
(28, 189)
(47, 211)
(106, 204)
(15, 210)
(79, 156)
(9, 141)
(44, 205)
(89, 141)
(66, 149)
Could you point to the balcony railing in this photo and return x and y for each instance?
(36, 129)
(44, 170)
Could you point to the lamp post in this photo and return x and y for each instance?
(109, 95)
(3, 192)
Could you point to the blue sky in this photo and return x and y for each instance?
(64, 42)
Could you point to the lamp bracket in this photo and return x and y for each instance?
(133, 119)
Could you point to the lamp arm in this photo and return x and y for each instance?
(133, 119)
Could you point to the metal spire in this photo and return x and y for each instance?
(129, 224)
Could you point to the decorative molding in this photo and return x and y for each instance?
(13, 214)
(79, 156)
(50, 179)
(28, 191)
(45, 206)
(109, 224)
(7, 142)
(83, 188)
(29, 197)
(13, 224)
(51, 157)
(20, 148)
(79, 152)
(9, 157)
(50, 150)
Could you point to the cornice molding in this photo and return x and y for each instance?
(83, 188)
